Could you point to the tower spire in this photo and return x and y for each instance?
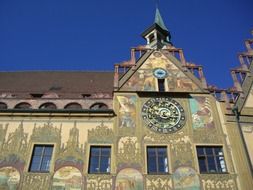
(157, 35)
(159, 19)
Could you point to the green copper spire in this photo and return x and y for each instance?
(159, 19)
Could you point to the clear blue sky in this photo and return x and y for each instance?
(96, 34)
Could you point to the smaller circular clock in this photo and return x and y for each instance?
(160, 73)
(163, 115)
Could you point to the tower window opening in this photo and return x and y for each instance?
(152, 38)
(161, 86)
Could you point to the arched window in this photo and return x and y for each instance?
(23, 105)
(73, 106)
(48, 106)
(3, 106)
(99, 106)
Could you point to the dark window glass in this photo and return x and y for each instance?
(23, 105)
(157, 160)
(49, 106)
(211, 159)
(73, 106)
(100, 159)
(99, 106)
(161, 86)
(41, 158)
(3, 105)
(36, 95)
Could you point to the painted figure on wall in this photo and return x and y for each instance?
(247, 130)
(202, 115)
(186, 178)
(142, 80)
(249, 102)
(129, 179)
(145, 80)
(9, 178)
(67, 178)
(127, 111)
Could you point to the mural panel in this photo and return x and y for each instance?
(9, 178)
(127, 110)
(67, 178)
(186, 178)
(129, 179)
(247, 130)
(249, 101)
(202, 116)
(143, 79)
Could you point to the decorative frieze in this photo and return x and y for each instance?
(158, 182)
(101, 134)
(218, 182)
(99, 182)
(36, 181)
(129, 151)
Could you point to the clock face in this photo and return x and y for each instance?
(160, 73)
(163, 115)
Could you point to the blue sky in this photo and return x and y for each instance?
(94, 35)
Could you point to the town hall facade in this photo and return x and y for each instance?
(152, 124)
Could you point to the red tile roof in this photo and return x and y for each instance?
(60, 82)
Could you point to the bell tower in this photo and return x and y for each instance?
(157, 35)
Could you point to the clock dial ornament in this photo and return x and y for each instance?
(163, 115)
(160, 73)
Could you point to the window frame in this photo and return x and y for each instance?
(214, 156)
(110, 158)
(157, 166)
(44, 145)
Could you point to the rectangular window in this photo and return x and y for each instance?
(100, 159)
(161, 86)
(157, 160)
(41, 158)
(211, 159)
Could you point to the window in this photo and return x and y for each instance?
(98, 106)
(23, 105)
(211, 159)
(48, 106)
(157, 160)
(100, 159)
(3, 106)
(36, 95)
(73, 106)
(41, 158)
(161, 87)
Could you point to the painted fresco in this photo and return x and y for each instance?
(186, 178)
(144, 80)
(127, 111)
(129, 179)
(67, 178)
(247, 130)
(202, 115)
(9, 178)
(249, 102)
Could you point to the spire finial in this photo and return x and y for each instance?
(159, 19)
(157, 4)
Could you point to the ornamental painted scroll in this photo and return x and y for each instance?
(186, 178)
(129, 179)
(67, 178)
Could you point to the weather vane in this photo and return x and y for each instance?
(157, 2)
